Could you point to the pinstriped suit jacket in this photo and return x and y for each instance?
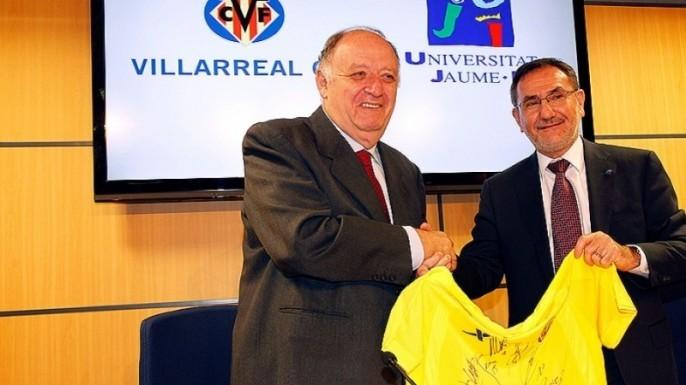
(321, 267)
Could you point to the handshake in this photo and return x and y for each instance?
(438, 250)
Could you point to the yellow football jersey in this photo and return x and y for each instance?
(441, 337)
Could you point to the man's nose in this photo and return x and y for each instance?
(374, 86)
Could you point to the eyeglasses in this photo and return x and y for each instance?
(554, 99)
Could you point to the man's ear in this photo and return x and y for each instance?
(580, 100)
(322, 84)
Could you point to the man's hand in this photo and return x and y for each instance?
(600, 249)
(436, 245)
(435, 260)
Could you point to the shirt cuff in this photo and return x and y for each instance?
(416, 248)
(642, 269)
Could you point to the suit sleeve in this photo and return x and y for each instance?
(666, 227)
(479, 267)
(294, 219)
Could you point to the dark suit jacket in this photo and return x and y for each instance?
(632, 200)
(321, 267)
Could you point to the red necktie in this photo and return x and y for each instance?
(366, 159)
(564, 213)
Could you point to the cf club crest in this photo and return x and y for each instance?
(244, 21)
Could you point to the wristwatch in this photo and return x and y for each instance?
(636, 252)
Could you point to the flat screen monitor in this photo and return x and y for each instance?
(176, 84)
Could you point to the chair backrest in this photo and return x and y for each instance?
(187, 346)
(676, 312)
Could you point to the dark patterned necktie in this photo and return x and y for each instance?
(564, 213)
(366, 159)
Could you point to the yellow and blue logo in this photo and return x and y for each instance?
(244, 21)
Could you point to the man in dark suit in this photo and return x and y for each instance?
(327, 249)
(626, 207)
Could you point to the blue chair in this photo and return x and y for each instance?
(676, 312)
(187, 346)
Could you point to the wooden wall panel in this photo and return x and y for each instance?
(45, 78)
(75, 349)
(432, 211)
(58, 248)
(638, 69)
(494, 305)
(458, 216)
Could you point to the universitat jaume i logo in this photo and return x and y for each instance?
(244, 21)
(470, 22)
